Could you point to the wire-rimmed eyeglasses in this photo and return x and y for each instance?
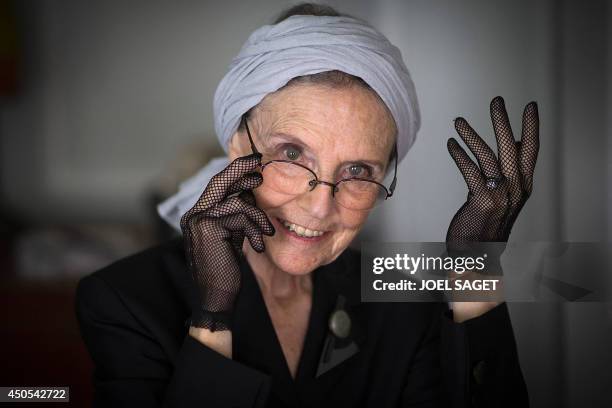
(292, 178)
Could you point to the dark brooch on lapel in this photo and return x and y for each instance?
(339, 344)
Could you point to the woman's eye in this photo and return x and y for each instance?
(292, 153)
(358, 170)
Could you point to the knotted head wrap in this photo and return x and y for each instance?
(298, 46)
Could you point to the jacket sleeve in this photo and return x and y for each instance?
(479, 360)
(132, 369)
(468, 364)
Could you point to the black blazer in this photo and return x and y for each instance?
(133, 316)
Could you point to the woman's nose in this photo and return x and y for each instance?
(318, 202)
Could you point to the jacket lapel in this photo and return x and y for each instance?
(337, 348)
(342, 286)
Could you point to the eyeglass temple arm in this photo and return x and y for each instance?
(392, 186)
(246, 125)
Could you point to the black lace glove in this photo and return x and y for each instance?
(498, 187)
(214, 230)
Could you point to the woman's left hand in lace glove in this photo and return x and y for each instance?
(498, 186)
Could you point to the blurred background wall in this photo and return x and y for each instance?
(111, 105)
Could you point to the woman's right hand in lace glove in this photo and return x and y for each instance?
(214, 230)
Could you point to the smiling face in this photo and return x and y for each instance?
(336, 132)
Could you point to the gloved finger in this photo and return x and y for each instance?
(255, 238)
(470, 171)
(248, 197)
(219, 185)
(191, 219)
(530, 144)
(235, 205)
(262, 219)
(242, 224)
(237, 238)
(483, 153)
(247, 182)
(259, 217)
(506, 147)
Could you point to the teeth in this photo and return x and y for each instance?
(301, 231)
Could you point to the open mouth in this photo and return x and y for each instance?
(299, 231)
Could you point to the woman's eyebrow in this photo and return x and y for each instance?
(290, 138)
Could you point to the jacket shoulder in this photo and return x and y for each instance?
(149, 288)
(140, 265)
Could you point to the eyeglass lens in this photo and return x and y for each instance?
(293, 179)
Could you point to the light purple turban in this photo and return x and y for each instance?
(297, 46)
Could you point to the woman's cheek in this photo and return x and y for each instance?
(353, 220)
(351, 223)
(267, 198)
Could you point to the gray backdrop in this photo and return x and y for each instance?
(114, 90)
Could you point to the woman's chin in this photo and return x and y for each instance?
(294, 263)
(296, 266)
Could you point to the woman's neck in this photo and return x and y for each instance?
(273, 281)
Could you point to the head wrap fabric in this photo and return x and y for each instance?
(304, 45)
(298, 46)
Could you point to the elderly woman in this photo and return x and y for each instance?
(258, 303)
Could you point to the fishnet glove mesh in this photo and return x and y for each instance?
(214, 230)
(498, 186)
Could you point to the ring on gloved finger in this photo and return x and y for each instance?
(493, 182)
